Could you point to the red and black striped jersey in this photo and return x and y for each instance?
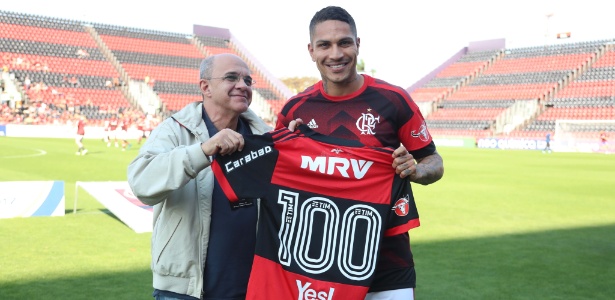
(378, 114)
(325, 205)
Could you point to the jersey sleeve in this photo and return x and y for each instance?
(285, 116)
(281, 121)
(404, 213)
(243, 174)
(414, 134)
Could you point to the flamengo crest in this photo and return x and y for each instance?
(367, 122)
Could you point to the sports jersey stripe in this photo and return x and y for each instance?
(224, 184)
(403, 228)
(282, 135)
(296, 101)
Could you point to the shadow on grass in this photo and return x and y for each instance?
(102, 210)
(136, 284)
(110, 214)
(560, 264)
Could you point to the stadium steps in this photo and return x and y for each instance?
(122, 75)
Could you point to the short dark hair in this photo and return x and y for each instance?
(335, 13)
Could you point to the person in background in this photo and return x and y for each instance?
(349, 105)
(125, 123)
(27, 82)
(81, 122)
(148, 123)
(547, 143)
(111, 127)
(141, 128)
(604, 143)
(201, 249)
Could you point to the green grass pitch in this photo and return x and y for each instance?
(501, 224)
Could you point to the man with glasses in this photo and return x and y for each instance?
(201, 249)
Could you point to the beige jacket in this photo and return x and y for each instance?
(172, 173)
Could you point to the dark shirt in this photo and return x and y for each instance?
(232, 238)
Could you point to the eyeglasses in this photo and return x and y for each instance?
(233, 78)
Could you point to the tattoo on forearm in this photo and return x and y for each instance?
(429, 169)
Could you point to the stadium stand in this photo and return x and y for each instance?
(59, 65)
(457, 118)
(484, 90)
(520, 92)
(590, 97)
(101, 69)
(160, 68)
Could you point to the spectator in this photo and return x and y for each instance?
(82, 53)
(27, 82)
(74, 82)
(5, 97)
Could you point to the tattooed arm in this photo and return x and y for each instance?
(426, 170)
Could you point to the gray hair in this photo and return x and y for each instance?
(207, 66)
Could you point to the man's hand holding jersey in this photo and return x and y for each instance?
(226, 141)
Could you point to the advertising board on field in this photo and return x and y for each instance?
(511, 144)
(31, 199)
(454, 142)
(58, 131)
(118, 198)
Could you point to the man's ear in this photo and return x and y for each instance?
(311, 51)
(205, 87)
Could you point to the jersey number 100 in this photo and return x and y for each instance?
(297, 245)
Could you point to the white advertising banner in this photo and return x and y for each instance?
(119, 199)
(58, 131)
(31, 199)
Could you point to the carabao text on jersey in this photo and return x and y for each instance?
(233, 164)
